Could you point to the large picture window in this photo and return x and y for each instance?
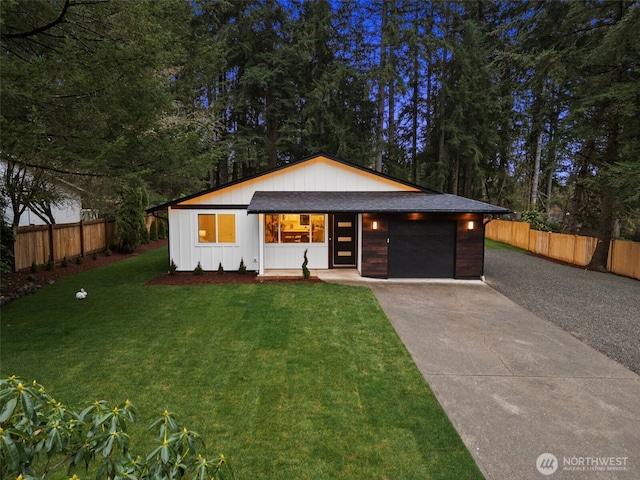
(217, 228)
(294, 228)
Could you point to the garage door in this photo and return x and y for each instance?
(421, 249)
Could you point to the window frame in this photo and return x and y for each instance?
(276, 231)
(217, 229)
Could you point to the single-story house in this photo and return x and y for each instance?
(343, 215)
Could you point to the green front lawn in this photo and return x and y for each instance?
(288, 381)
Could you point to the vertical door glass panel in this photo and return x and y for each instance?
(317, 228)
(271, 223)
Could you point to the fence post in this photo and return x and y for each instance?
(13, 248)
(51, 242)
(82, 238)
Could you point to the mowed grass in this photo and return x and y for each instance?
(493, 245)
(288, 381)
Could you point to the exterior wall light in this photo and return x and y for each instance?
(375, 225)
(470, 225)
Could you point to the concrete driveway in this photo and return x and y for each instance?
(516, 386)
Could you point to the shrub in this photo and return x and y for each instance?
(50, 265)
(41, 436)
(220, 269)
(79, 260)
(94, 255)
(198, 270)
(153, 232)
(6, 246)
(162, 231)
(242, 268)
(173, 268)
(64, 263)
(536, 219)
(144, 236)
(107, 252)
(34, 267)
(305, 271)
(130, 223)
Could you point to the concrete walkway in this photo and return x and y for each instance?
(516, 386)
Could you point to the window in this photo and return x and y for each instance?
(217, 228)
(294, 228)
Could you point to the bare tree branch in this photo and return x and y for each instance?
(41, 29)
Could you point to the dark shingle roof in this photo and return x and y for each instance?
(367, 202)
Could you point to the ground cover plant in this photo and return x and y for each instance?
(289, 381)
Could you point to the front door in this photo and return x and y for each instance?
(344, 240)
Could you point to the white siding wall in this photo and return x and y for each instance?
(312, 176)
(291, 255)
(186, 251)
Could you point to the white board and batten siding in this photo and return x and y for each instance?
(186, 251)
(317, 174)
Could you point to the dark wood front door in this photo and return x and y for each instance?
(344, 240)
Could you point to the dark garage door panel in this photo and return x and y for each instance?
(422, 249)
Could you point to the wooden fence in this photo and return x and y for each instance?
(624, 256)
(37, 244)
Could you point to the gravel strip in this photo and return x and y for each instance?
(601, 309)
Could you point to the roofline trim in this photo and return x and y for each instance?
(282, 167)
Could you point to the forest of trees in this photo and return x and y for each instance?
(529, 105)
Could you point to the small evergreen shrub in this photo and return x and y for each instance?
(153, 232)
(34, 267)
(198, 270)
(242, 268)
(305, 271)
(220, 269)
(79, 260)
(94, 255)
(107, 252)
(173, 268)
(64, 263)
(162, 231)
(50, 265)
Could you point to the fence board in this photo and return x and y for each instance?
(94, 236)
(585, 246)
(33, 244)
(562, 247)
(624, 256)
(539, 242)
(520, 232)
(66, 242)
(33, 247)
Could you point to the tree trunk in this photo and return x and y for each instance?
(607, 218)
(574, 214)
(536, 161)
(272, 128)
(381, 84)
(536, 173)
